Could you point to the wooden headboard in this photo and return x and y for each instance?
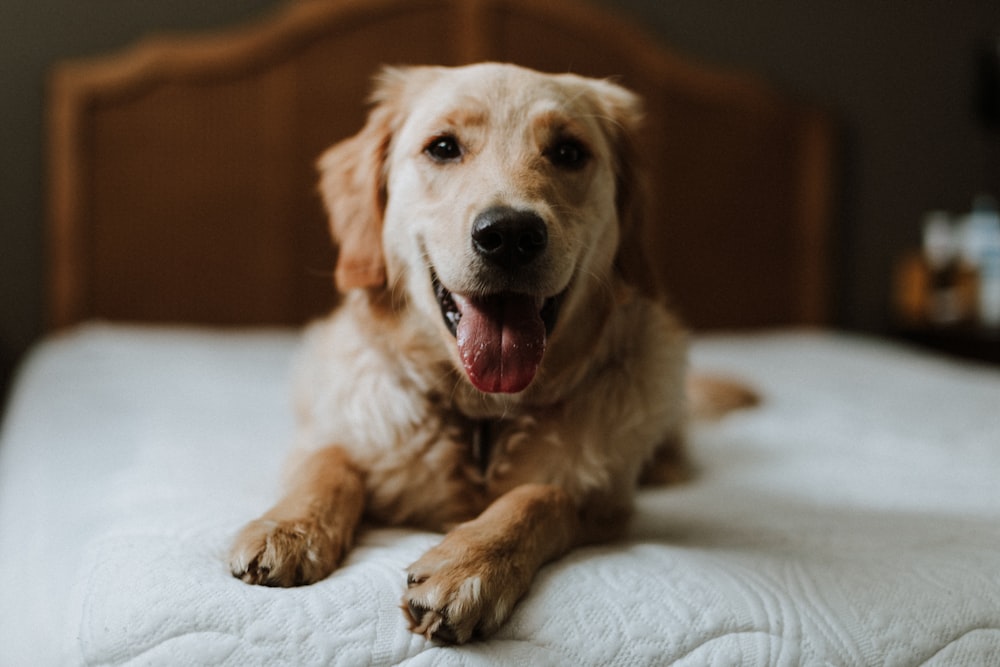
(182, 178)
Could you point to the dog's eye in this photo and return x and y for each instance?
(444, 149)
(568, 154)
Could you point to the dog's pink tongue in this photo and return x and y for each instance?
(501, 340)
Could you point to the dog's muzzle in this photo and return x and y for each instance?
(501, 336)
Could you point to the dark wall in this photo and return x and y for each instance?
(33, 35)
(898, 76)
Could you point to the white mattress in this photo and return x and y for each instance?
(854, 519)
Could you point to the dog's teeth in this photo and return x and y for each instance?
(460, 302)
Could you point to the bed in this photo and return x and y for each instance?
(851, 519)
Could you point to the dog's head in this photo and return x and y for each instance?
(496, 199)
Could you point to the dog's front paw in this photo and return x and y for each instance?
(454, 594)
(284, 553)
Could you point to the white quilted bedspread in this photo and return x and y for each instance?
(854, 519)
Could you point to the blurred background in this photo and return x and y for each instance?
(912, 87)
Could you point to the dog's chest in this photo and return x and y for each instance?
(481, 447)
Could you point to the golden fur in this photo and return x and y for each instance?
(390, 403)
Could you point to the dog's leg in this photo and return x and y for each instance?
(303, 538)
(669, 465)
(469, 583)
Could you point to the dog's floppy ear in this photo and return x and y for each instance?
(623, 110)
(353, 186)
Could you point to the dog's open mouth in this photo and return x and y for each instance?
(501, 337)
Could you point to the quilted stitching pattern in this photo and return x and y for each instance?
(852, 520)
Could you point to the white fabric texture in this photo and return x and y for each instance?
(852, 519)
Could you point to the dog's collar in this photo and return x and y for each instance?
(482, 443)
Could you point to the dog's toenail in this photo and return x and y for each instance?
(445, 633)
(416, 611)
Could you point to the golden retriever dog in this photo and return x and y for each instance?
(500, 366)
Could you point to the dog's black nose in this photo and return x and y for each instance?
(507, 237)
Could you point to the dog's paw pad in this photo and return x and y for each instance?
(453, 607)
(283, 553)
(434, 624)
(431, 623)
